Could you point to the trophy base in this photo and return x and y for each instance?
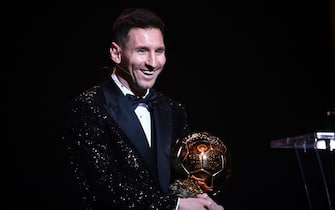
(187, 188)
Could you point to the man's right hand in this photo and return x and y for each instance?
(201, 202)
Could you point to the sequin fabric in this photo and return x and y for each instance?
(109, 171)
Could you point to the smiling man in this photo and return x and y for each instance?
(119, 134)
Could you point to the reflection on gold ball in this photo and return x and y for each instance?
(204, 158)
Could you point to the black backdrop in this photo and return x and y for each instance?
(247, 71)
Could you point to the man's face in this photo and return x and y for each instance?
(143, 57)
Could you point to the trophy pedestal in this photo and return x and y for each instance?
(187, 188)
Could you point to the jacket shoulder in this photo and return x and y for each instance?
(170, 101)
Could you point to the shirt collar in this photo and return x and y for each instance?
(123, 88)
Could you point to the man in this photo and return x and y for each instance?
(120, 149)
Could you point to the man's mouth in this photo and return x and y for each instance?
(148, 72)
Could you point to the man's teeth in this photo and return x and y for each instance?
(148, 72)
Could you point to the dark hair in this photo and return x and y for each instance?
(135, 18)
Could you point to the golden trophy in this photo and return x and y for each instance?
(204, 163)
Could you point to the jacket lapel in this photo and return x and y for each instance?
(123, 115)
(121, 112)
(162, 120)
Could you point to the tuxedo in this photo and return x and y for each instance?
(113, 163)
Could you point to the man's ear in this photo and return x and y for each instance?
(115, 52)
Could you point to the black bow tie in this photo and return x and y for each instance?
(150, 100)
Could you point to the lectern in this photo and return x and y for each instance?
(322, 145)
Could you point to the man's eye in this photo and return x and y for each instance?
(160, 51)
(141, 51)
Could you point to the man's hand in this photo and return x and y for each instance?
(200, 202)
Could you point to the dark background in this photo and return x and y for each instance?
(247, 71)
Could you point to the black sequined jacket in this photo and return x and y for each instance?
(113, 164)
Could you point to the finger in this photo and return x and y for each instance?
(203, 195)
